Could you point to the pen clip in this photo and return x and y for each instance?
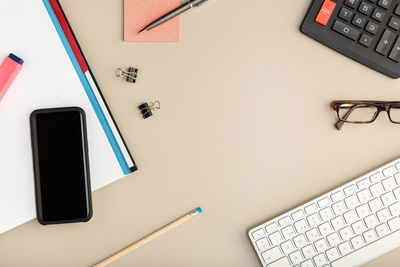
(198, 3)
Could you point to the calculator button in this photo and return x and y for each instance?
(385, 3)
(378, 15)
(365, 8)
(352, 3)
(395, 54)
(345, 14)
(394, 23)
(359, 21)
(397, 10)
(325, 12)
(385, 43)
(372, 27)
(365, 40)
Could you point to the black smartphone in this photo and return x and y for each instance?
(61, 165)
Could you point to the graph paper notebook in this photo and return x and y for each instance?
(55, 74)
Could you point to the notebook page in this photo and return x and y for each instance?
(46, 80)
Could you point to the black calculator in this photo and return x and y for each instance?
(364, 30)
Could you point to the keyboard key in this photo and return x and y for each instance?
(271, 255)
(258, 234)
(371, 221)
(346, 233)
(346, 30)
(382, 230)
(375, 204)
(262, 244)
(363, 211)
(287, 247)
(288, 232)
(297, 215)
(389, 184)
(308, 251)
(358, 227)
(307, 263)
(312, 235)
(321, 245)
(325, 228)
(363, 183)
(299, 241)
(325, 12)
(385, 43)
(271, 227)
(357, 242)
(320, 260)
(352, 3)
(376, 177)
(389, 171)
(372, 27)
(296, 257)
(364, 195)
(395, 209)
(370, 236)
(398, 164)
(332, 254)
(394, 23)
(397, 10)
(313, 220)
(338, 207)
(345, 14)
(337, 223)
(301, 226)
(378, 15)
(350, 216)
(333, 239)
(396, 193)
(310, 209)
(345, 248)
(388, 198)
(365, 8)
(383, 215)
(360, 22)
(394, 224)
(284, 221)
(351, 202)
(350, 190)
(385, 3)
(326, 214)
(275, 238)
(376, 190)
(397, 175)
(337, 196)
(324, 202)
(284, 262)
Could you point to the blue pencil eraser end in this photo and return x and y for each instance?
(200, 210)
(16, 59)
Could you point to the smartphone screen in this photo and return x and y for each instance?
(61, 165)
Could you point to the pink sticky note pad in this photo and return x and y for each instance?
(140, 13)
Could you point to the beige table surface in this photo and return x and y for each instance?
(245, 131)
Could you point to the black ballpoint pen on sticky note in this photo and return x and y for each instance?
(188, 5)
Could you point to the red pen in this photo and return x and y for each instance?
(9, 70)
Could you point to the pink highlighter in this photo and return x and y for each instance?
(9, 70)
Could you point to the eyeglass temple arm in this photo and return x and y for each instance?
(340, 123)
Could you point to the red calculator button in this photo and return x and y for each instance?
(325, 12)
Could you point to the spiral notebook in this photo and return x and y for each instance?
(55, 74)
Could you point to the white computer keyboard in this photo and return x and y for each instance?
(348, 226)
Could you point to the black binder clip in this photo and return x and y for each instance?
(129, 74)
(147, 108)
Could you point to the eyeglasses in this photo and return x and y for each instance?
(364, 111)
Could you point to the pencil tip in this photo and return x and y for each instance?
(143, 31)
